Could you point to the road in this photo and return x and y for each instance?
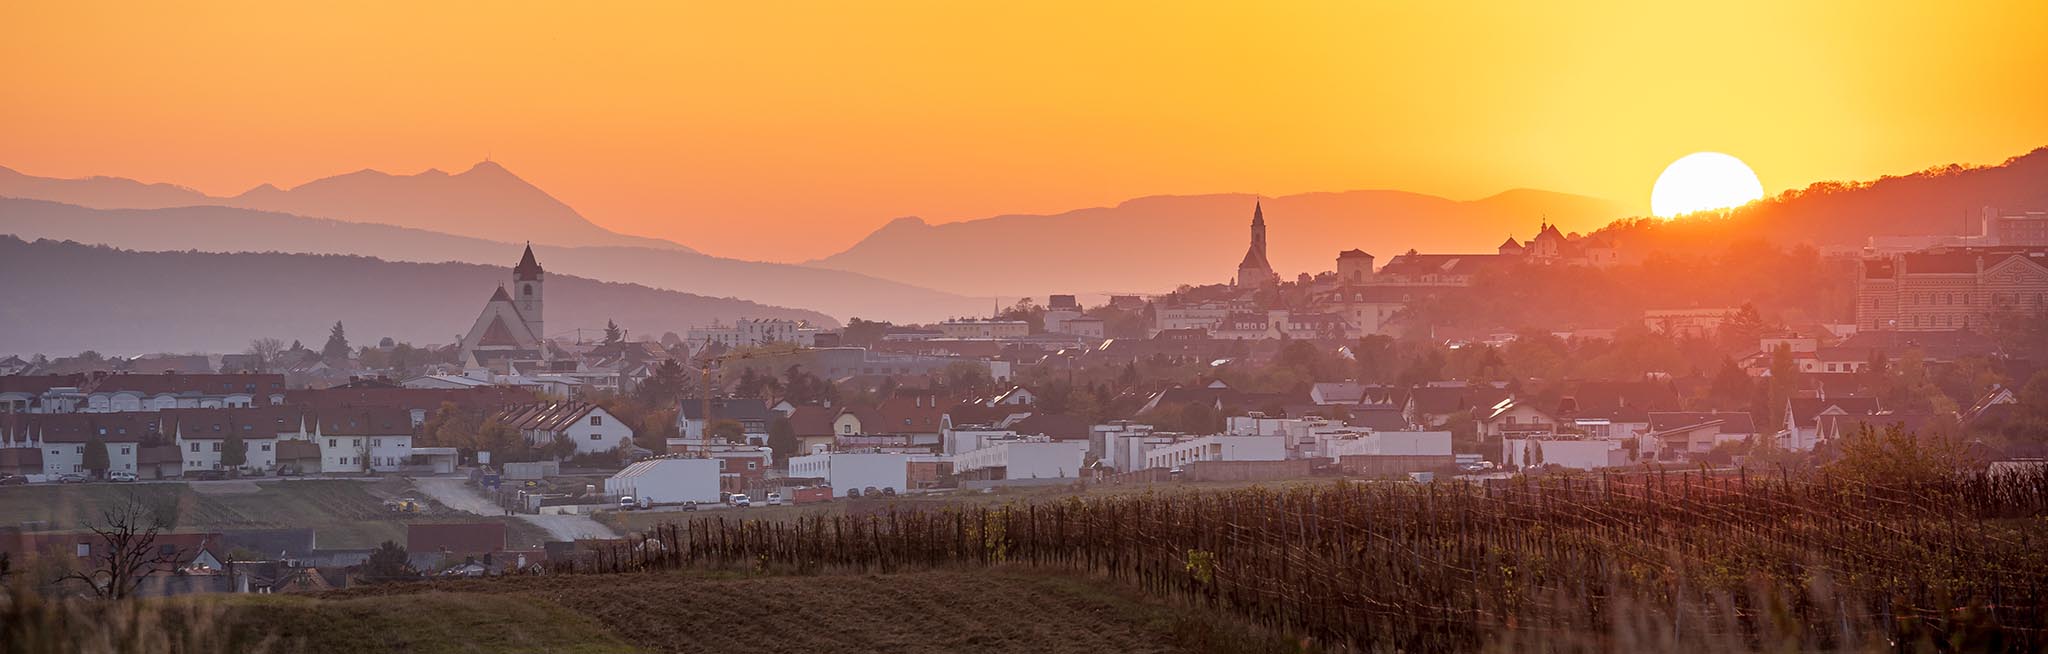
(455, 493)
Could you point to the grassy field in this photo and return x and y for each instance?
(344, 514)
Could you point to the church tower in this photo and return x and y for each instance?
(526, 292)
(1255, 271)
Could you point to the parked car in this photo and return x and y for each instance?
(888, 491)
(853, 493)
(690, 505)
(774, 499)
(12, 480)
(740, 500)
(71, 478)
(288, 471)
(121, 476)
(209, 475)
(626, 503)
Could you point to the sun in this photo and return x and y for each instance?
(1703, 181)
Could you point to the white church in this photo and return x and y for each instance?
(509, 329)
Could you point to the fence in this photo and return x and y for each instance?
(1687, 559)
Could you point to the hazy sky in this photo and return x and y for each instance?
(785, 131)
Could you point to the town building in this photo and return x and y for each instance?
(1951, 288)
(752, 332)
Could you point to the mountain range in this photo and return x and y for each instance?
(125, 301)
(226, 229)
(1154, 244)
(487, 201)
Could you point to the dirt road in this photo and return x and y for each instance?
(455, 493)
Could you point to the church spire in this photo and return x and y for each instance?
(528, 269)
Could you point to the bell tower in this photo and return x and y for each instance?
(526, 292)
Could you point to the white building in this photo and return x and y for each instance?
(1575, 454)
(1023, 459)
(1393, 443)
(368, 439)
(587, 425)
(1122, 445)
(844, 471)
(1217, 448)
(752, 332)
(667, 480)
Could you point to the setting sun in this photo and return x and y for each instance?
(1704, 181)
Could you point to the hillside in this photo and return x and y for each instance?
(1158, 243)
(123, 301)
(487, 201)
(223, 229)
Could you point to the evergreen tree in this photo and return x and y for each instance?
(388, 562)
(234, 452)
(337, 343)
(96, 459)
(612, 333)
(782, 438)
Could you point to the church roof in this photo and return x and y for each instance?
(500, 296)
(1353, 253)
(528, 269)
(1511, 244)
(497, 334)
(1253, 259)
(1258, 213)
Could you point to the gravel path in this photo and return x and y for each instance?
(455, 493)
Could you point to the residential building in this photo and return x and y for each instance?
(589, 426)
(984, 328)
(753, 332)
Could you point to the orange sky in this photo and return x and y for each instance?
(785, 131)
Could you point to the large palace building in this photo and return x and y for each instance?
(1946, 289)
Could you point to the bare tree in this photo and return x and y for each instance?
(266, 351)
(127, 553)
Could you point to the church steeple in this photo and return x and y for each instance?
(527, 296)
(1255, 270)
(528, 269)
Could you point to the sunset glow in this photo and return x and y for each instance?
(1703, 181)
(707, 123)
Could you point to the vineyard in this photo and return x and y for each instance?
(1664, 561)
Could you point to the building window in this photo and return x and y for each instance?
(596, 437)
(597, 421)
(330, 442)
(195, 447)
(266, 447)
(216, 446)
(124, 449)
(83, 550)
(375, 442)
(752, 465)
